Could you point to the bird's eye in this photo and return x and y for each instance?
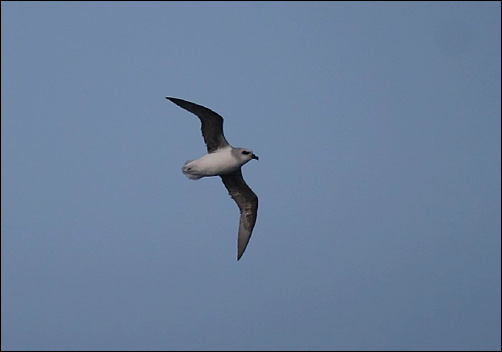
(245, 152)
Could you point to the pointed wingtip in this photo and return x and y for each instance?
(180, 102)
(176, 101)
(240, 253)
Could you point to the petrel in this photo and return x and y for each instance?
(225, 161)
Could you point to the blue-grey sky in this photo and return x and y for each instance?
(378, 129)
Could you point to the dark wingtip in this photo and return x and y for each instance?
(179, 102)
(240, 254)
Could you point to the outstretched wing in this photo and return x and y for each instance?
(211, 124)
(247, 201)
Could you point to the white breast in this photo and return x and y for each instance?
(218, 163)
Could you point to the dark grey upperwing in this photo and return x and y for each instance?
(247, 202)
(211, 124)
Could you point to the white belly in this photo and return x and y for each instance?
(219, 163)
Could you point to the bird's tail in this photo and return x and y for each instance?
(190, 171)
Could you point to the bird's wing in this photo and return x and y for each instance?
(211, 124)
(247, 201)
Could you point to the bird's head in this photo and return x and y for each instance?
(248, 154)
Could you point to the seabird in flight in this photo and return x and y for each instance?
(225, 161)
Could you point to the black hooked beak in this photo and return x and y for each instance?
(255, 157)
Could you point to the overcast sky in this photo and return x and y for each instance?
(378, 130)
